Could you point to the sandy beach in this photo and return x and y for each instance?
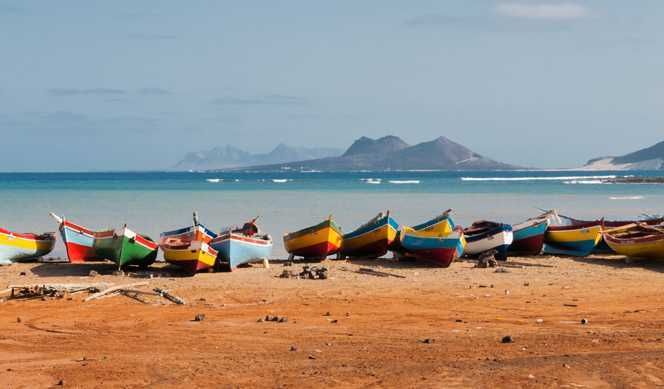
(428, 327)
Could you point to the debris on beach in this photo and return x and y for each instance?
(507, 339)
(307, 273)
(55, 291)
(97, 290)
(487, 259)
(199, 317)
(276, 319)
(314, 272)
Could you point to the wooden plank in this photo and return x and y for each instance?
(114, 289)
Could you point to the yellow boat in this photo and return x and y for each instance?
(191, 257)
(317, 241)
(577, 239)
(15, 246)
(637, 241)
(372, 239)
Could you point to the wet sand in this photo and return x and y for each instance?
(433, 328)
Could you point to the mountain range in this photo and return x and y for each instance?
(649, 158)
(228, 157)
(392, 153)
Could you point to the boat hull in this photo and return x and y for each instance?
(650, 247)
(578, 241)
(370, 241)
(497, 238)
(194, 257)
(318, 241)
(237, 249)
(79, 242)
(528, 238)
(125, 247)
(441, 251)
(16, 247)
(441, 225)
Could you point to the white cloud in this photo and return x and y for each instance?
(543, 11)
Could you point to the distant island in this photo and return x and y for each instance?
(228, 157)
(650, 158)
(392, 153)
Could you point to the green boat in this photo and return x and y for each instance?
(125, 247)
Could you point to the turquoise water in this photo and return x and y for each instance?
(287, 201)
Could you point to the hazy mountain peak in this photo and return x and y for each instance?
(386, 144)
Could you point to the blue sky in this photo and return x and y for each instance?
(136, 84)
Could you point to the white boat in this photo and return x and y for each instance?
(485, 236)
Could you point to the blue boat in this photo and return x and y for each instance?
(429, 246)
(240, 246)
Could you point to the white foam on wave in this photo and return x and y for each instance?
(537, 178)
(214, 180)
(626, 198)
(584, 182)
(373, 181)
(281, 180)
(402, 182)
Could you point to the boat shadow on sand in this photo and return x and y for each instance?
(65, 269)
(620, 262)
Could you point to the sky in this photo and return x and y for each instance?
(134, 85)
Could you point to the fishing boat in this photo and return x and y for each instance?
(317, 241)
(431, 246)
(16, 246)
(602, 247)
(372, 239)
(571, 237)
(638, 240)
(529, 236)
(238, 246)
(442, 225)
(122, 246)
(189, 248)
(483, 236)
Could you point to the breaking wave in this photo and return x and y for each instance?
(402, 182)
(540, 178)
(626, 198)
(214, 180)
(374, 181)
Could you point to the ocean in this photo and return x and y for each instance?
(152, 202)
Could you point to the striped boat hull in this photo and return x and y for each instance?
(576, 240)
(15, 247)
(529, 237)
(370, 241)
(317, 241)
(441, 251)
(237, 249)
(191, 258)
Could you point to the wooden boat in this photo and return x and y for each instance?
(639, 240)
(442, 225)
(372, 239)
(483, 236)
(317, 241)
(602, 247)
(431, 246)
(122, 246)
(238, 246)
(573, 238)
(16, 247)
(189, 248)
(529, 236)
